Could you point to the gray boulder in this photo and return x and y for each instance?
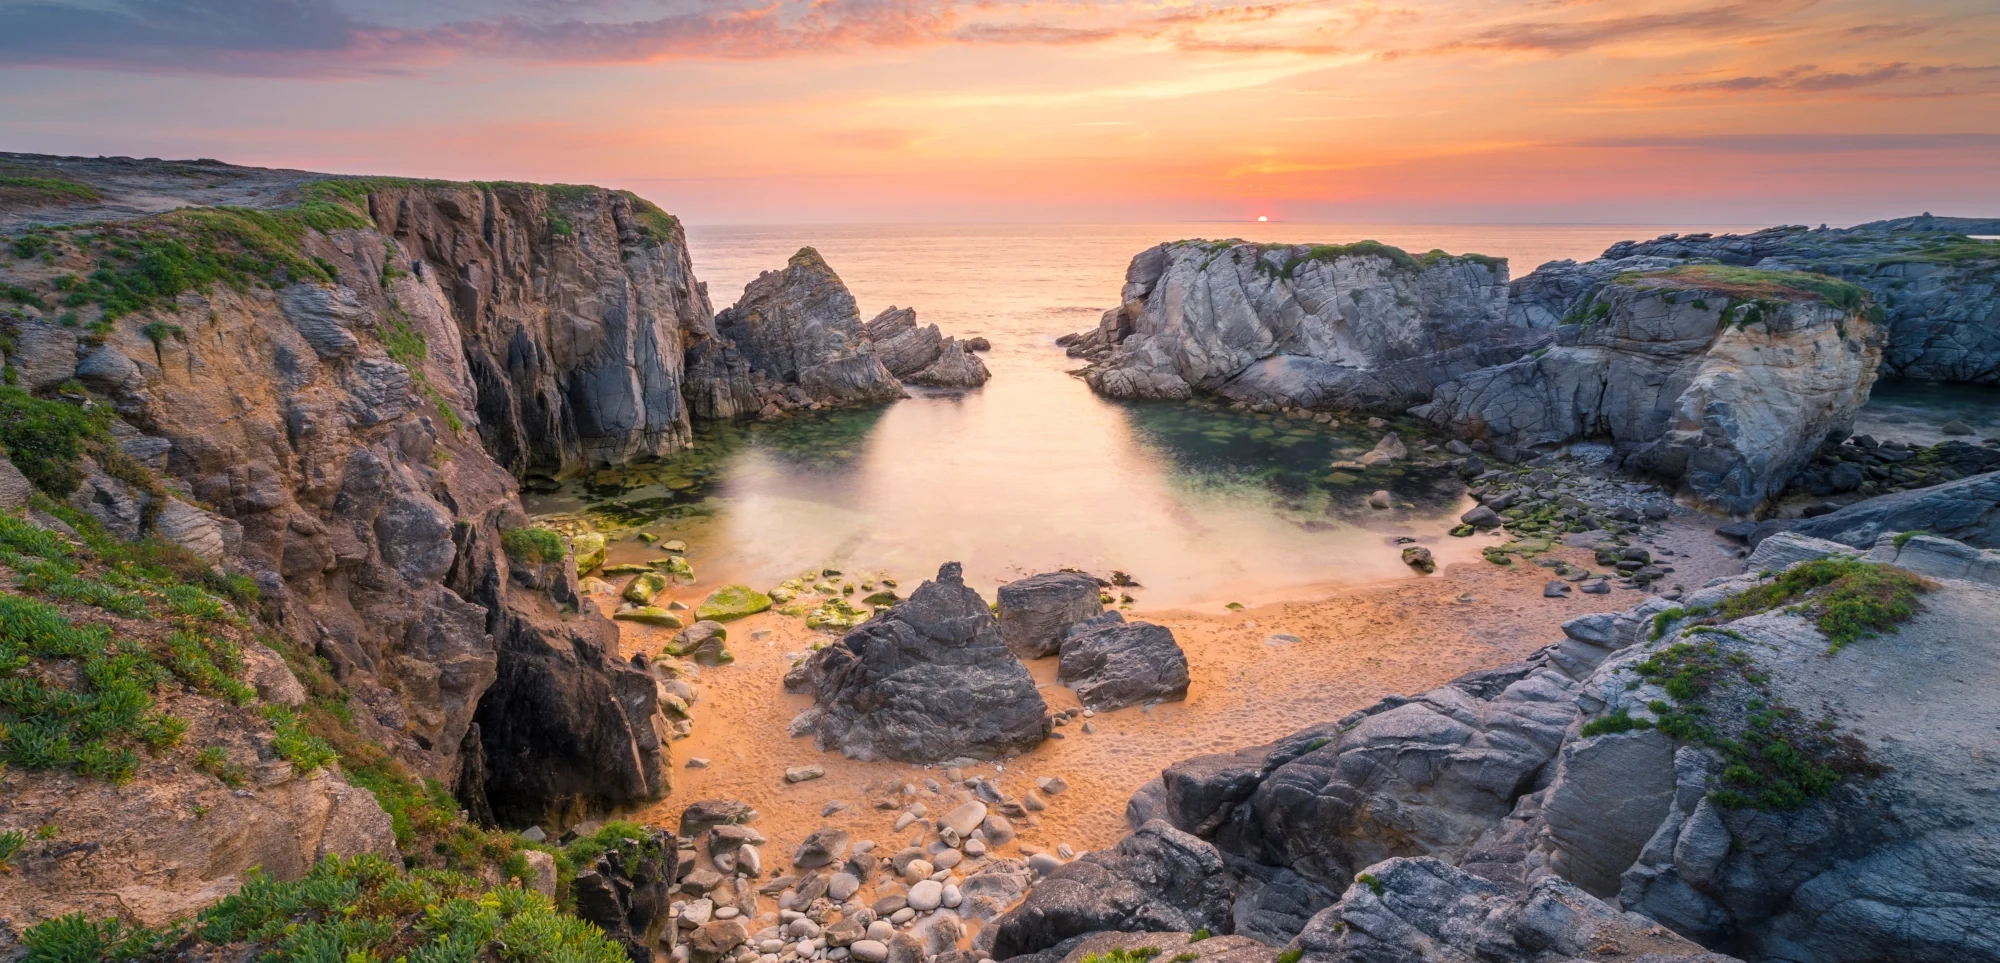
(927, 681)
(1109, 662)
(923, 355)
(43, 355)
(1037, 611)
(14, 486)
(1158, 879)
(800, 326)
(1727, 397)
(1967, 510)
(1425, 911)
(1363, 326)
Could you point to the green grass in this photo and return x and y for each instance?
(54, 187)
(1368, 879)
(533, 545)
(408, 347)
(1620, 721)
(1953, 250)
(78, 939)
(11, 842)
(1750, 284)
(47, 440)
(1138, 954)
(657, 226)
(294, 743)
(1848, 599)
(1903, 538)
(1199, 935)
(16, 294)
(1290, 956)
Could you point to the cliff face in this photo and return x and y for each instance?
(1362, 326)
(1695, 380)
(341, 412)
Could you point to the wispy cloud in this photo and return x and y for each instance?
(1802, 143)
(1809, 78)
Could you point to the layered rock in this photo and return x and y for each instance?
(1036, 612)
(1725, 383)
(1880, 853)
(1967, 510)
(1363, 326)
(1110, 663)
(1158, 879)
(923, 355)
(799, 327)
(353, 438)
(927, 681)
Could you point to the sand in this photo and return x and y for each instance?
(1357, 644)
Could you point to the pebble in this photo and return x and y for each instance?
(1043, 862)
(1053, 785)
(1034, 803)
(1282, 638)
(1089, 727)
(697, 762)
(902, 916)
(697, 912)
(870, 951)
(1379, 500)
(843, 886)
(864, 846)
(926, 896)
(1556, 589)
(947, 859)
(802, 928)
(832, 806)
(881, 930)
(952, 896)
(771, 946)
(918, 869)
(903, 822)
(920, 810)
(804, 773)
(727, 912)
(975, 847)
(1065, 851)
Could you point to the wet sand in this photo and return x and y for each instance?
(1358, 643)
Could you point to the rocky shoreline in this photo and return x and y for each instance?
(279, 625)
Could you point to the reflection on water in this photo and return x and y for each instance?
(1917, 411)
(1032, 472)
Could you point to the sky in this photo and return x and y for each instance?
(805, 111)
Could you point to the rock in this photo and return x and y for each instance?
(1955, 428)
(923, 356)
(1556, 589)
(1482, 517)
(1967, 510)
(1300, 326)
(1934, 557)
(1419, 558)
(804, 773)
(1654, 364)
(732, 602)
(644, 588)
(1109, 662)
(1596, 586)
(1424, 911)
(589, 551)
(1157, 879)
(870, 951)
(1379, 500)
(824, 847)
(1036, 612)
(842, 887)
(1389, 449)
(964, 819)
(711, 941)
(14, 486)
(649, 615)
(928, 681)
(1282, 638)
(1785, 549)
(1052, 785)
(705, 642)
(800, 326)
(926, 895)
(704, 815)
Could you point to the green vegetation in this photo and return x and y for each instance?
(46, 440)
(1290, 956)
(1750, 284)
(32, 244)
(349, 910)
(1137, 954)
(1847, 599)
(17, 294)
(1368, 879)
(1956, 249)
(408, 347)
(533, 545)
(1903, 538)
(1620, 721)
(11, 842)
(657, 225)
(560, 226)
(1199, 935)
(53, 188)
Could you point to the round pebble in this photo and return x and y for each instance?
(947, 859)
(843, 886)
(951, 896)
(902, 916)
(726, 912)
(881, 930)
(870, 951)
(926, 896)
(918, 869)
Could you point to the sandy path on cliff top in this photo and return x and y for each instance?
(1358, 643)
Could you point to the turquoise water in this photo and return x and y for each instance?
(1032, 472)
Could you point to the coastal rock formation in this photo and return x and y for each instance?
(927, 681)
(1157, 879)
(1110, 663)
(346, 427)
(1967, 510)
(1425, 911)
(1036, 612)
(1640, 761)
(1361, 326)
(799, 327)
(1726, 382)
(923, 355)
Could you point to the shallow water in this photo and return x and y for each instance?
(1033, 472)
(1917, 411)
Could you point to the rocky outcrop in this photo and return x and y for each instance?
(350, 436)
(1726, 383)
(1364, 326)
(799, 327)
(1157, 879)
(1638, 762)
(1110, 663)
(1425, 911)
(1036, 612)
(928, 681)
(1967, 510)
(923, 355)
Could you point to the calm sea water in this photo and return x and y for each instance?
(1033, 472)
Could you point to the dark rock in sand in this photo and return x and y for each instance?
(1036, 612)
(929, 680)
(1158, 879)
(1110, 662)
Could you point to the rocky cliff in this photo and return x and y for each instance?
(800, 333)
(1773, 767)
(1362, 326)
(335, 393)
(1724, 380)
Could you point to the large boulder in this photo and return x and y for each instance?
(1037, 611)
(1425, 911)
(923, 355)
(1362, 326)
(1724, 382)
(1967, 510)
(1158, 879)
(927, 681)
(799, 326)
(1109, 662)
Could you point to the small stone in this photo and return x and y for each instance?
(952, 896)
(697, 912)
(1054, 785)
(1043, 862)
(1955, 428)
(842, 887)
(902, 916)
(1419, 558)
(534, 834)
(870, 951)
(926, 895)
(882, 929)
(803, 773)
(947, 859)
(1379, 500)
(903, 822)
(965, 818)
(1596, 586)
(1063, 850)
(1556, 589)
(826, 845)
(727, 912)
(1282, 638)
(1089, 728)
(975, 847)
(919, 869)
(697, 762)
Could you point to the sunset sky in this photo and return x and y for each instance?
(745, 111)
